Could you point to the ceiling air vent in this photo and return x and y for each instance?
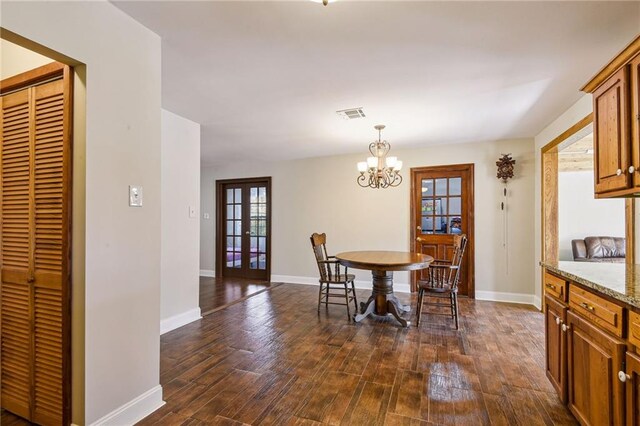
(351, 113)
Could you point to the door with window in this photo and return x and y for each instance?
(442, 207)
(244, 228)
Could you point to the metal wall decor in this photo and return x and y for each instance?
(505, 167)
(379, 171)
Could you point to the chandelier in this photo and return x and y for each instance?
(379, 171)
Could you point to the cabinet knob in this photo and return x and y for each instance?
(565, 327)
(618, 172)
(632, 169)
(558, 321)
(623, 377)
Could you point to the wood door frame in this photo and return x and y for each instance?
(220, 183)
(52, 71)
(40, 75)
(549, 237)
(466, 167)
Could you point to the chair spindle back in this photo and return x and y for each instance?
(448, 277)
(319, 244)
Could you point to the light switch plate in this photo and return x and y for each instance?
(192, 211)
(135, 196)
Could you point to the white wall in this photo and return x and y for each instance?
(122, 269)
(581, 215)
(16, 59)
(321, 195)
(179, 296)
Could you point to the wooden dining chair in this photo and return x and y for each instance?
(333, 282)
(442, 282)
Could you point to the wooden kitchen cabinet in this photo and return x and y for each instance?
(594, 358)
(631, 377)
(555, 314)
(634, 90)
(612, 150)
(616, 124)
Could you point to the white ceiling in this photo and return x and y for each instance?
(265, 78)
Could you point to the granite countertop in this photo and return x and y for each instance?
(617, 280)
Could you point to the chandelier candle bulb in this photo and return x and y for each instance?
(391, 162)
(379, 171)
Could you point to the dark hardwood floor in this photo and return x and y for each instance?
(271, 359)
(217, 293)
(8, 419)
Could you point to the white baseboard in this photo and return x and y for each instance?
(179, 320)
(207, 273)
(537, 302)
(290, 279)
(397, 287)
(360, 284)
(134, 410)
(498, 296)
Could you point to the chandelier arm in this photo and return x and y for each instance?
(372, 149)
(387, 147)
(398, 178)
(361, 179)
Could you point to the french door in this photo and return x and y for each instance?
(442, 207)
(243, 245)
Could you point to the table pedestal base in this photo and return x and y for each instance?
(383, 301)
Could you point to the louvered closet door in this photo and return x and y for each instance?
(49, 226)
(35, 176)
(16, 291)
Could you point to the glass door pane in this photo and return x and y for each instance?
(233, 237)
(441, 206)
(258, 227)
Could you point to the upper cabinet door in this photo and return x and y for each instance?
(611, 133)
(635, 118)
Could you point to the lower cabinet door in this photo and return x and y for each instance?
(555, 316)
(632, 379)
(596, 395)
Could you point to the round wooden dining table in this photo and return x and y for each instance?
(382, 264)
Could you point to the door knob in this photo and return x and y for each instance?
(632, 169)
(558, 321)
(247, 232)
(623, 377)
(419, 228)
(618, 172)
(565, 327)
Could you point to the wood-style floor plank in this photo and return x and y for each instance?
(271, 360)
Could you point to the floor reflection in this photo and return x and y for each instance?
(217, 293)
